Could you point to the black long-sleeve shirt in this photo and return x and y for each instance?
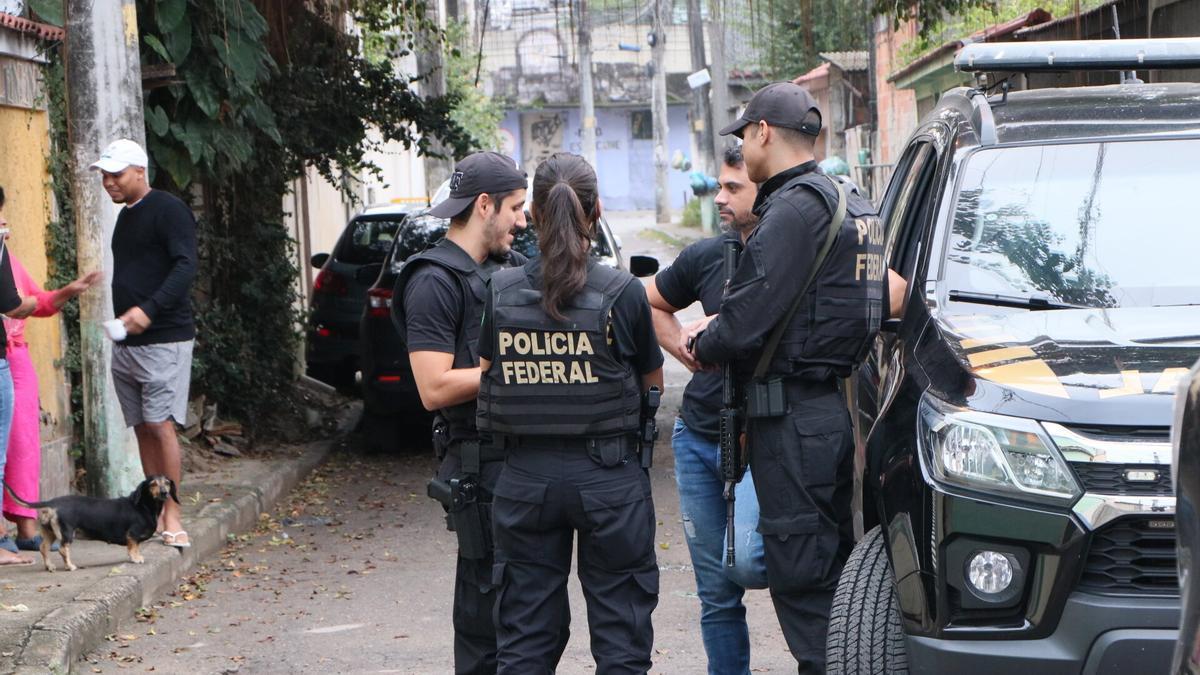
(9, 299)
(775, 263)
(154, 263)
(777, 260)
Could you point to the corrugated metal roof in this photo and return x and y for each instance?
(848, 61)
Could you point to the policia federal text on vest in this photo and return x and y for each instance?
(560, 379)
(565, 399)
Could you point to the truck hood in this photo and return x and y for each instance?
(1087, 366)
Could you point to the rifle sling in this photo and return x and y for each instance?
(839, 216)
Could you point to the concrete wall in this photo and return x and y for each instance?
(534, 37)
(26, 180)
(625, 167)
(403, 175)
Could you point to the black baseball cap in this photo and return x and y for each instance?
(475, 174)
(782, 104)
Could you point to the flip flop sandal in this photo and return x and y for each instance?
(172, 539)
(33, 543)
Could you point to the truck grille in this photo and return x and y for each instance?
(1110, 479)
(1133, 556)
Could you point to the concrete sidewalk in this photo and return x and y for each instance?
(48, 621)
(641, 225)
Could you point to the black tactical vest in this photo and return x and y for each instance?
(557, 378)
(834, 327)
(472, 278)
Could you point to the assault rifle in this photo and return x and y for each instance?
(733, 455)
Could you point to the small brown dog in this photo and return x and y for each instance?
(124, 520)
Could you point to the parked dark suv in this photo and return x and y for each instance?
(389, 393)
(1014, 426)
(340, 291)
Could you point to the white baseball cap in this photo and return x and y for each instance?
(120, 155)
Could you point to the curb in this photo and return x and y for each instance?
(61, 638)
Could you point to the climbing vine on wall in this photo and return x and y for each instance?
(60, 233)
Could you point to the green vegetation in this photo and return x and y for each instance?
(60, 235)
(477, 115)
(691, 214)
(799, 30)
(978, 16)
(257, 98)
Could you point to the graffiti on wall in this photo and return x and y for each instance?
(541, 136)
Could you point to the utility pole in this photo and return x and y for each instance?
(658, 52)
(431, 64)
(587, 102)
(702, 129)
(104, 103)
(720, 77)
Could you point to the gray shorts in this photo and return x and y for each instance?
(152, 381)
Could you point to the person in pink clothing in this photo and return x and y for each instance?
(23, 467)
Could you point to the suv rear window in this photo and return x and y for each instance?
(1091, 224)
(420, 233)
(526, 243)
(367, 240)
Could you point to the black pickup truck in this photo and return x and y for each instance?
(1014, 426)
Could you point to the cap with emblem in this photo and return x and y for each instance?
(476, 174)
(120, 155)
(782, 104)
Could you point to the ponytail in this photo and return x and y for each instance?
(564, 201)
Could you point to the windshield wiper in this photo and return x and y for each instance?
(1032, 302)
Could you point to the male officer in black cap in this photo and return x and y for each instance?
(807, 298)
(437, 308)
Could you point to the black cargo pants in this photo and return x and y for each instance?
(543, 497)
(474, 592)
(803, 466)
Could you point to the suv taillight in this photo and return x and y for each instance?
(379, 302)
(330, 282)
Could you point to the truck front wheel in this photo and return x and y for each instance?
(865, 637)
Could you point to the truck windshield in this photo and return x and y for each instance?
(1087, 224)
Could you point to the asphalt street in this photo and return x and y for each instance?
(353, 572)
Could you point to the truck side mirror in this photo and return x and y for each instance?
(318, 260)
(643, 265)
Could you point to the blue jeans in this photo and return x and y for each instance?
(722, 614)
(6, 412)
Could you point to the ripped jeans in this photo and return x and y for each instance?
(722, 614)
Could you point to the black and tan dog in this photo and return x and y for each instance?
(124, 520)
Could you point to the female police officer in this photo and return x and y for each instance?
(567, 347)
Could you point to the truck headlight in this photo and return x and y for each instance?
(994, 453)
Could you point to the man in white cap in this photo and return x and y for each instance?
(154, 263)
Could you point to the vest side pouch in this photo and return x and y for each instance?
(766, 398)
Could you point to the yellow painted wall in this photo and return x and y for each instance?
(24, 146)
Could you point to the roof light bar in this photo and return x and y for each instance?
(1066, 55)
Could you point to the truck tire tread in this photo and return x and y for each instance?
(865, 635)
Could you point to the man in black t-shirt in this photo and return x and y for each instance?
(154, 263)
(697, 275)
(438, 310)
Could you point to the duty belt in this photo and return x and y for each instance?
(471, 454)
(608, 451)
